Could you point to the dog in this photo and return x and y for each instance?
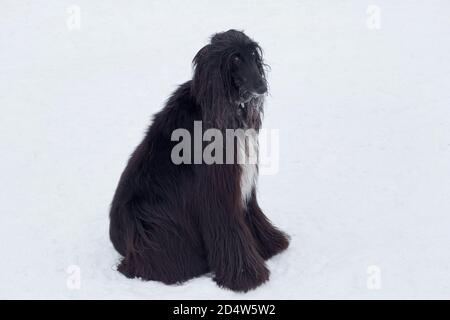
(173, 222)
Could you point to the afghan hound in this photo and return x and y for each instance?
(175, 221)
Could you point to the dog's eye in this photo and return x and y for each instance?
(236, 59)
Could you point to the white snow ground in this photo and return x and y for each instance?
(364, 119)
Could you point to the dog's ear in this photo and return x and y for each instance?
(200, 54)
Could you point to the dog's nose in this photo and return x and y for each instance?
(261, 87)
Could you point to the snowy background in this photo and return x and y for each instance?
(363, 110)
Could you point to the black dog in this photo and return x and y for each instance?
(172, 222)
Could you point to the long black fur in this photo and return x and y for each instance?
(175, 222)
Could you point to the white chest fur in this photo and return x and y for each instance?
(248, 160)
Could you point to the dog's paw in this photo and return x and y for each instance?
(125, 269)
(244, 280)
(277, 242)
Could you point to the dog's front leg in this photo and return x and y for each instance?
(232, 253)
(270, 240)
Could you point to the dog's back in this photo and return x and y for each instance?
(150, 209)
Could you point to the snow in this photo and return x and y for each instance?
(363, 185)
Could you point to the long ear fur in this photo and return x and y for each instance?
(212, 86)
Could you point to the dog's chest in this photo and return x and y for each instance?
(248, 161)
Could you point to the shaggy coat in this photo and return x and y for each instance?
(174, 222)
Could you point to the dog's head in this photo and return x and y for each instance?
(230, 66)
